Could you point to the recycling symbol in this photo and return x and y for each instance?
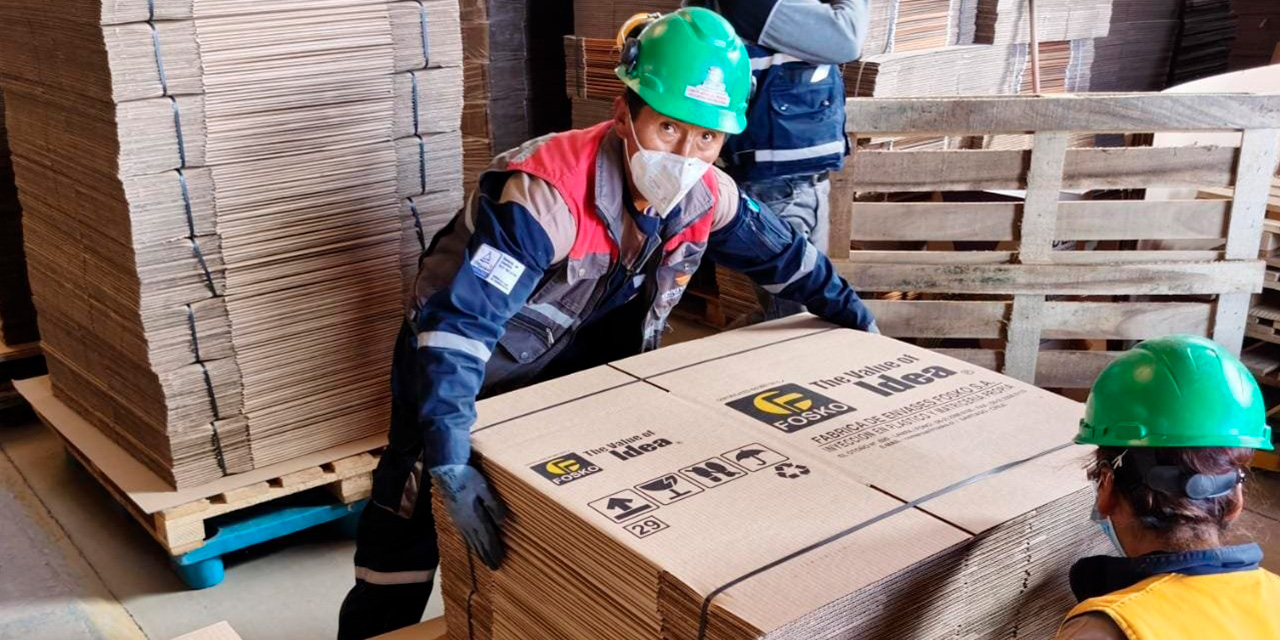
(791, 471)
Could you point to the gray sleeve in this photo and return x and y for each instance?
(818, 32)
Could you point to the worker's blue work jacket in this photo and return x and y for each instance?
(531, 282)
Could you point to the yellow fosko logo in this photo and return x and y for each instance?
(789, 407)
(566, 468)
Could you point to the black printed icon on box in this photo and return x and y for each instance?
(645, 527)
(755, 457)
(622, 506)
(669, 488)
(791, 471)
(713, 473)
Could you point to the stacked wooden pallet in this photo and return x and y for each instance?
(213, 208)
(1021, 290)
(17, 314)
(1264, 315)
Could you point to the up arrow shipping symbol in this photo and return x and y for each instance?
(619, 504)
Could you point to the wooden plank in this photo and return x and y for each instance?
(1124, 320)
(1132, 257)
(1253, 187)
(19, 351)
(841, 208)
(1039, 218)
(1072, 369)
(1022, 347)
(1136, 113)
(939, 318)
(1079, 220)
(1058, 279)
(1054, 369)
(1229, 317)
(1100, 168)
(931, 257)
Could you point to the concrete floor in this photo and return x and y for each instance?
(74, 565)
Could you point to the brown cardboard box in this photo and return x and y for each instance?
(786, 481)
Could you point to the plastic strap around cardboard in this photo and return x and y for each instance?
(422, 19)
(208, 385)
(182, 146)
(417, 226)
(417, 125)
(703, 618)
(422, 163)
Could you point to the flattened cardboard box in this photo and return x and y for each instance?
(746, 481)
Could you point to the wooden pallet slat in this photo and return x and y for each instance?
(1058, 279)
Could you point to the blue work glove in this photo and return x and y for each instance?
(476, 512)
(872, 328)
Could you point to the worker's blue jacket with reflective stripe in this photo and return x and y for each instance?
(494, 305)
(795, 122)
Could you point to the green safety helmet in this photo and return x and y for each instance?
(690, 65)
(1176, 391)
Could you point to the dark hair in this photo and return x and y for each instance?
(1182, 522)
(635, 104)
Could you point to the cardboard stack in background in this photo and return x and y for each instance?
(1206, 31)
(1257, 33)
(17, 313)
(213, 213)
(496, 69)
(804, 481)
(595, 31)
(429, 99)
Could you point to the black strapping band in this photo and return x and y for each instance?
(422, 163)
(422, 18)
(208, 385)
(706, 602)
(417, 125)
(417, 225)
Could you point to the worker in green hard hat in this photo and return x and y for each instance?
(573, 251)
(1176, 421)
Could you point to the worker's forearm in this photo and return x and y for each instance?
(823, 33)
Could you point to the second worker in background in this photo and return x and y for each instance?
(795, 130)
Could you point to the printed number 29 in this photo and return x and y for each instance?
(646, 527)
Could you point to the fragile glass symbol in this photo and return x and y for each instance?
(666, 483)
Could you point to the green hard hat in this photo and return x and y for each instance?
(690, 65)
(1176, 391)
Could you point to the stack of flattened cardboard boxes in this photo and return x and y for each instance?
(790, 480)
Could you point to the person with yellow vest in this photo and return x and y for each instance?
(1176, 421)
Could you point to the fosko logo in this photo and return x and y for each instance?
(566, 468)
(789, 407)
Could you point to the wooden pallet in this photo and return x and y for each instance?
(10, 353)
(1264, 323)
(1018, 292)
(176, 519)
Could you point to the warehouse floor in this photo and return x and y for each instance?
(75, 565)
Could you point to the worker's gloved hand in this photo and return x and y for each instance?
(872, 328)
(476, 512)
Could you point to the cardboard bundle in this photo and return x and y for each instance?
(1257, 33)
(789, 480)
(590, 112)
(496, 117)
(1134, 57)
(1204, 40)
(1008, 21)
(17, 313)
(989, 70)
(214, 220)
(603, 18)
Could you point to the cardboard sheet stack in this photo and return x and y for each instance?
(17, 314)
(212, 195)
(429, 96)
(1008, 21)
(1257, 33)
(989, 70)
(785, 481)
(496, 117)
(1204, 40)
(590, 56)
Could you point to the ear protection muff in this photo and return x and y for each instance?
(630, 55)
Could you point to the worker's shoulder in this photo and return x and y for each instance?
(1090, 626)
(543, 202)
(726, 198)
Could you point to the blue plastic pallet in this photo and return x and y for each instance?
(203, 567)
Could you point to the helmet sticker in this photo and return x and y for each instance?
(712, 90)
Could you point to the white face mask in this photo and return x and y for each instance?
(664, 178)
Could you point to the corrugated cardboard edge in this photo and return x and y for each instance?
(143, 487)
(433, 629)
